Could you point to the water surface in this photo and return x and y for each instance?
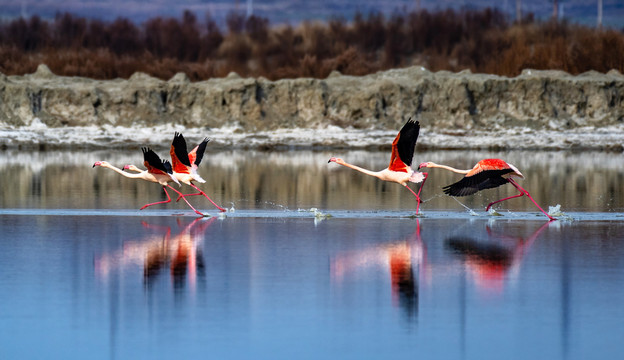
(311, 261)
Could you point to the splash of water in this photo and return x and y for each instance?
(493, 212)
(556, 211)
(469, 210)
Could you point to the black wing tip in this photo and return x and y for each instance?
(167, 166)
(412, 121)
(455, 191)
(201, 148)
(178, 138)
(447, 190)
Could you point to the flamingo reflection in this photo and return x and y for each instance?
(401, 259)
(180, 252)
(492, 259)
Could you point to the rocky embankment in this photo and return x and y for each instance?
(538, 109)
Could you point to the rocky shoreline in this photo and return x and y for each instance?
(537, 109)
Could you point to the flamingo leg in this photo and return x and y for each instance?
(419, 190)
(184, 195)
(523, 192)
(201, 192)
(159, 202)
(417, 198)
(169, 200)
(507, 198)
(529, 196)
(423, 183)
(186, 201)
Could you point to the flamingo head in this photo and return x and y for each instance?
(100, 163)
(424, 165)
(336, 160)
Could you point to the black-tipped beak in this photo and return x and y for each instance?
(328, 161)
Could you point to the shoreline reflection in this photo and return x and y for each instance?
(303, 179)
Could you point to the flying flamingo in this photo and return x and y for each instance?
(185, 164)
(399, 170)
(486, 174)
(158, 171)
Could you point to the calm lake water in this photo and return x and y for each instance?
(312, 261)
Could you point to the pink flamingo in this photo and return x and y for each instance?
(486, 174)
(158, 171)
(399, 170)
(185, 165)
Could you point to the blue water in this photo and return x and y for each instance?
(117, 284)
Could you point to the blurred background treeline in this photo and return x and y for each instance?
(483, 41)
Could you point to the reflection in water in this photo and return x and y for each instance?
(156, 251)
(262, 180)
(280, 287)
(491, 259)
(400, 258)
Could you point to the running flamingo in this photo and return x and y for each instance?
(399, 170)
(185, 164)
(158, 171)
(486, 174)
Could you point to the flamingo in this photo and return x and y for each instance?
(486, 174)
(399, 170)
(158, 171)
(185, 164)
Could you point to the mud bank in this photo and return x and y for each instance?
(538, 109)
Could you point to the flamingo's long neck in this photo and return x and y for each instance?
(362, 170)
(434, 165)
(140, 175)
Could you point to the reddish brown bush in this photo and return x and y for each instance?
(482, 41)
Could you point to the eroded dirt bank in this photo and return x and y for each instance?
(458, 110)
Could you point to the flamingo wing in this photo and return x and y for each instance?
(470, 184)
(154, 164)
(196, 155)
(403, 146)
(179, 157)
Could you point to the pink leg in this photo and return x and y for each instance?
(417, 198)
(529, 196)
(201, 193)
(209, 199)
(423, 183)
(186, 201)
(169, 200)
(160, 202)
(501, 200)
(523, 192)
(185, 195)
(419, 190)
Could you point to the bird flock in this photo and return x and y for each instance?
(486, 174)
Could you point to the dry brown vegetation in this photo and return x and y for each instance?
(482, 41)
